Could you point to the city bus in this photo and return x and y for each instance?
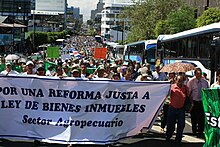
(199, 46)
(60, 43)
(98, 38)
(141, 51)
(116, 49)
(119, 51)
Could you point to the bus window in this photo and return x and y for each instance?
(98, 38)
(139, 51)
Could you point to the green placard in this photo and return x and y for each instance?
(211, 99)
(53, 52)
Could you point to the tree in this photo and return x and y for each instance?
(209, 16)
(181, 20)
(162, 27)
(145, 14)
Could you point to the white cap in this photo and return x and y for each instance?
(114, 65)
(101, 67)
(144, 75)
(29, 62)
(7, 63)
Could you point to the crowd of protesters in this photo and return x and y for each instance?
(117, 69)
(183, 88)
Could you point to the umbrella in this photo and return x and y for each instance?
(177, 67)
(12, 57)
(44, 45)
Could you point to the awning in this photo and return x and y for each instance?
(14, 25)
(3, 18)
(60, 40)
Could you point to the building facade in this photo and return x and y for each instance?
(96, 16)
(17, 13)
(113, 27)
(98, 9)
(18, 9)
(202, 5)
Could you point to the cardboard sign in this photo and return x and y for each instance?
(100, 53)
(53, 52)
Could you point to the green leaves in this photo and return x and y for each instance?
(209, 16)
(146, 14)
(45, 37)
(181, 20)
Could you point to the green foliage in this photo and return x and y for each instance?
(181, 20)
(70, 32)
(162, 27)
(90, 22)
(39, 38)
(45, 37)
(91, 32)
(209, 16)
(144, 15)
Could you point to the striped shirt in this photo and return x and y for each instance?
(193, 85)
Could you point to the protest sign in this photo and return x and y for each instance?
(210, 99)
(71, 111)
(100, 53)
(65, 57)
(53, 52)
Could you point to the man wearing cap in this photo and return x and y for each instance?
(100, 72)
(75, 73)
(40, 71)
(8, 70)
(159, 76)
(29, 68)
(143, 77)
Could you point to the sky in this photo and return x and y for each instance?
(85, 6)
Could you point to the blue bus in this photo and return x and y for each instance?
(142, 51)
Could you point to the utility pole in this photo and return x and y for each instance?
(33, 37)
(65, 15)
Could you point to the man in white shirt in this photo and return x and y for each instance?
(159, 76)
(50, 71)
(30, 67)
(8, 70)
(197, 112)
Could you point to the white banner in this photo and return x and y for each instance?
(71, 111)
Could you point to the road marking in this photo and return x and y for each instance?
(188, 123)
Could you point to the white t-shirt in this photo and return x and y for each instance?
(12, 72)
(49, 73)
(215, 85)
